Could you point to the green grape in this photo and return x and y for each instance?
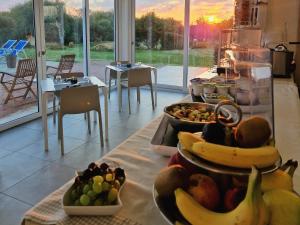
(79, 189)
(77, 203)
(85, 189)
(117, 184)
(74, 194)
(98, 179)
(91, 194)
(112, 195)
(98, 202)
(97, 188)
(84, 200)
(105, 186)
(109, 177)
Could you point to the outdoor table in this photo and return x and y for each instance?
(121, 69)
(142, 165)
(48, 86)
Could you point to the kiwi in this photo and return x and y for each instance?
(169, 179)
(253, 132)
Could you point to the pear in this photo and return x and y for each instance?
(284, 206)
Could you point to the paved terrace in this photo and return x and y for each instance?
(170, 75)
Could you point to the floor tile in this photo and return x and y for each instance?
(40, 184)
(11, 210)
(17, 138)
(54, 152)
(16, 167)
(81, 157)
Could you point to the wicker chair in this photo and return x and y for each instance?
(65, 65)
(21, 80)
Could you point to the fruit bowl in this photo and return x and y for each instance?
(168, 209)
(105, 210)
(185, 124)
(95, 191)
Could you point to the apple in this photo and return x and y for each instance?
(204, 190)
(233, 197)
(178, 159)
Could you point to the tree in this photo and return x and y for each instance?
(7, 27)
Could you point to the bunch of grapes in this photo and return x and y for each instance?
(97, 186)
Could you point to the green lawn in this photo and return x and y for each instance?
(197, 57)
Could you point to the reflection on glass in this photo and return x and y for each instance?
(101, 36)
(17, 40)
(159, 38)
(206, 22)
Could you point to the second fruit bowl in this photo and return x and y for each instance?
(104, 210)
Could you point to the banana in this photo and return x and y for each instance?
(280, 179)
(234, 156)
(187, 139)
(251, 211)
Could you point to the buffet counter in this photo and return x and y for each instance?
(142, 165)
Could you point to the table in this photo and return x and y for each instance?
(122, 69)
(47, 86)
(142, 165)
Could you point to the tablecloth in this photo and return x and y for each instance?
(142, 165)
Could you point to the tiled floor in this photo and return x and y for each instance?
(28, 173)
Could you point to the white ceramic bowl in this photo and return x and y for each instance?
(90, 210)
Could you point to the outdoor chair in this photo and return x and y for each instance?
(137, 78)
(57, 95)
(79, 100)
(65, 65)
(19, 47)
(6, 47)
(113, 75)
(21, 80)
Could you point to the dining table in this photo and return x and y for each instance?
(142, 164)
(50, 86)
(124, 68)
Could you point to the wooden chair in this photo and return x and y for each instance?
(113, 75)
(137, 78)
(56, 94)
(65, 65)
(21, 80)
(79, 100)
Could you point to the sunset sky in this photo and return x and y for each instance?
(211, 10)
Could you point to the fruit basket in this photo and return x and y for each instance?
(96, 191)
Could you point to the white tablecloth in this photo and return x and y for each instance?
(142, 165)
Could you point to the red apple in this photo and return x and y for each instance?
(178, 159)
(233, 197)
(204, 190)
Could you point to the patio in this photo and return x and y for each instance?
(17, 108)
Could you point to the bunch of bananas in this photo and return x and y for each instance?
(270, 198)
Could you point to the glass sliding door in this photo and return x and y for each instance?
(63, 33)
(159, 37)
(101, 20)
(207, 19)
(18, 93)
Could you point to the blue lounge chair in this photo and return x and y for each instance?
(19, 48)
(6, 47)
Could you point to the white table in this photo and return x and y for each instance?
(122, 69)
(47, 86)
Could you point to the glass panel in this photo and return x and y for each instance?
(63, 34)
(159, 38)
(17, 42)
(101, 36)
(207, 19)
